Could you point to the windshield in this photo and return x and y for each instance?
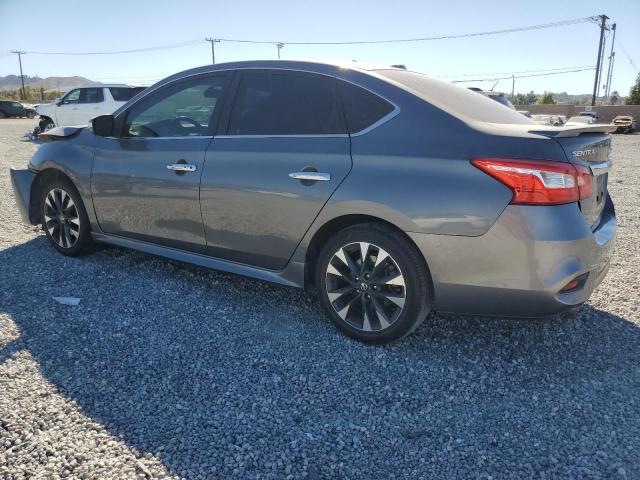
(455, 100)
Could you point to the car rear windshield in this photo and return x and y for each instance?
(124, 94)
(458, 101)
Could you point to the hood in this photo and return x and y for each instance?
(61, 133)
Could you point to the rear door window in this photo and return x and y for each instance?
(362, 108)
(91, 95)
(286, 103)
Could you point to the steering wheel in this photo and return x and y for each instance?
(139, 130)
(188, 120)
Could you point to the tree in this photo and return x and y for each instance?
(614, 97)
(32, 94)
(531, 98)
(524, 98)
(546, 99)
(634, 93)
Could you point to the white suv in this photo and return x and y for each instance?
(82, 104)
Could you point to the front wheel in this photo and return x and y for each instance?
(373, 283)
(46, 124)
(64, 218)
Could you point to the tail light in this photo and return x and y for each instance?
(539, 182)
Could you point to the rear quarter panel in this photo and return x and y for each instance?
(414, 171)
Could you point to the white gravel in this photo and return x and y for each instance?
(165, 370)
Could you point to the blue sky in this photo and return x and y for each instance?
(66, 25)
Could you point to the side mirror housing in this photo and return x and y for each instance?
(58, 101)
(103, 125)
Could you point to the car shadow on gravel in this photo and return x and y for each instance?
(220, 375)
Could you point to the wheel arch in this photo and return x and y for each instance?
(43, 178)
(331, 227)
(43, 119)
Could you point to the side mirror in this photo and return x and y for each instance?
(102, 125)
(58, 101)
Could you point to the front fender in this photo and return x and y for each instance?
(73, 157)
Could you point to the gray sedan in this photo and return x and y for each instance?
(389, 192)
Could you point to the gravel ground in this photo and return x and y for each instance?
(166, 370)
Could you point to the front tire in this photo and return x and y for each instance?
(64, 218)
(46, 124)
(373, 283)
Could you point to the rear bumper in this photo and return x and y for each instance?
(519, 266)
(21, 180)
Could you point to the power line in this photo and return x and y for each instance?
(422, 39)
(352, 42)
(521, 71)
(627, 55)
(117, 52)
(525, 76)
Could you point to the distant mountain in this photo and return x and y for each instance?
(12, 82)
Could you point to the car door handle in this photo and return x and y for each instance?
(311, 176)
(182, 167)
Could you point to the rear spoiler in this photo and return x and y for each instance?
(558, 132)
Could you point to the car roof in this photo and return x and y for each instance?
(441, 91)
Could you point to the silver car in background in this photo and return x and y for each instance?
(388, 192)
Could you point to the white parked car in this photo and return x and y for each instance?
(82, 104)
(580, 121)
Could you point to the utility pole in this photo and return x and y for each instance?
(213, 50)
(607, 87)
(603, 19)
(279, 46)
(23, 94)
(513, 85)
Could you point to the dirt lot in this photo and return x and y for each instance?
(168, 371)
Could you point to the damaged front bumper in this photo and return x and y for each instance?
(21, 179)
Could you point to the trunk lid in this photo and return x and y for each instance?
(589, 146)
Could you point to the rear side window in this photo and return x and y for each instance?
(124, 94)
(286, 104)
(91, 95)
(362, 108)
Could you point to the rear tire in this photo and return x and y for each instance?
(64, 218)
(373, 283)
